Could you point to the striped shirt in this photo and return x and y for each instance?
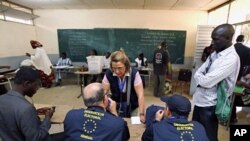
(64, 62)
(225, 66)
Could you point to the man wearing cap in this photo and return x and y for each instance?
(41, 61)
(175, 126)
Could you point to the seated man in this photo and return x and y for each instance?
(99, 121)
(63, 61)
(18, 117)
(175, 126)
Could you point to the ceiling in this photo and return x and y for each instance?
(121, 4)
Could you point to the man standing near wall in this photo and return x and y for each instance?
(160, 62)
(222, 65)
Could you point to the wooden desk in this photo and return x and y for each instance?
(59, 114)
(63, 67)
(7, 71)
(57, 118)
(135, 130)
(82, 73)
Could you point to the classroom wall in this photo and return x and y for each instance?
(14, 41)
(14, 38)
(51, 20)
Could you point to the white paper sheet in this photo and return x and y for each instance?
(135, 120)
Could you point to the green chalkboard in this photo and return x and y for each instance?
(78, 42)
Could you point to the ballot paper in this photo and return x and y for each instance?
(135, 120)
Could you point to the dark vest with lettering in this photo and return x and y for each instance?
(179, 129)
(114, 88)
(94, 124)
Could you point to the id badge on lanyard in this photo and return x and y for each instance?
(121, 85)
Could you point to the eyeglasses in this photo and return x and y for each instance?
(108, 95)
(118, 68)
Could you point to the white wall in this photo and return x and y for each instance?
(51, 20)
(15, 38)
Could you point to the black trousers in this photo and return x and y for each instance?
(237, 102)
(206, 116)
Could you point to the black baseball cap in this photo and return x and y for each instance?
(178, 104)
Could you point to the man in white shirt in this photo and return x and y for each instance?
(63, 61)
(222, 64)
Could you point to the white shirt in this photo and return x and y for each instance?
(41, 60)
(64, 62)
(139, 62)
(225, 66)
(106, 62)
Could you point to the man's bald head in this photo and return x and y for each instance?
(93, 94)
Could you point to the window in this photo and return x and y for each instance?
(16, 13)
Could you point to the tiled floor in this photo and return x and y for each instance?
(67, 95)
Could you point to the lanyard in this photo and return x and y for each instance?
(121, 84)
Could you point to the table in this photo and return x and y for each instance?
(145, 71)
(58, 117)
(59, 114)
(63, 69)
(7, 71)
(82, 73)
(135, 130)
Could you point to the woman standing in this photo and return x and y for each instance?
(42, 63)
(116, 80)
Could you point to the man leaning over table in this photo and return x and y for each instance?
(172, 124)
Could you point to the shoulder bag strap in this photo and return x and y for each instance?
(129, 87)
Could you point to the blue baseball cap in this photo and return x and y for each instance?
(177, 103)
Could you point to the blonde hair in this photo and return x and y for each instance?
(120, 56)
